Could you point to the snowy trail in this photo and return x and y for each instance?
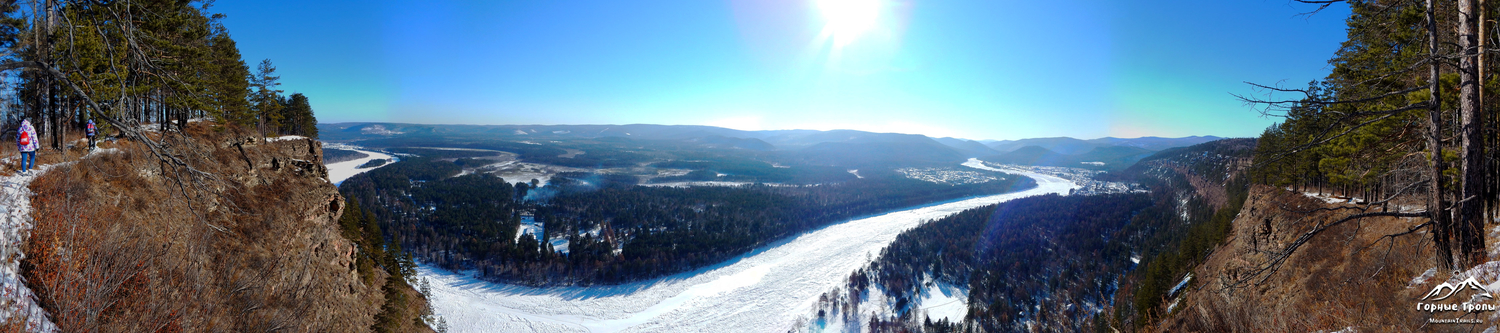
(338, 172)
(762, 291)
(15, 226)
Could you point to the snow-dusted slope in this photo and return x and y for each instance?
(338, 172)
(762, 291)
(15, 225)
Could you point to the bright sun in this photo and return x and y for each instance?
(846, 20)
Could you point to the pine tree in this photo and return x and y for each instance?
(229, 85)
(298, 115)
(266, 99)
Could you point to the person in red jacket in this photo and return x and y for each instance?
(89, 131)
(26, 142)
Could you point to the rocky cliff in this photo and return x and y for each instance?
(242, 235)
(1363, 275)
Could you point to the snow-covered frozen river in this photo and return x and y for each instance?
(762, 291)
(338, 172)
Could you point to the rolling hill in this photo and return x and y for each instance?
(849, 148)
(1097, 158)
(1069, 146)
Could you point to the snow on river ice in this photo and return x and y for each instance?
(762, 291)
(338, 172)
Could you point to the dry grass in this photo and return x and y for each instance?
(120, 246)
(1347, 276)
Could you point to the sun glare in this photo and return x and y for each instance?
(846, 20)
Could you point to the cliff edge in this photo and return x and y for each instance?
(244, 235)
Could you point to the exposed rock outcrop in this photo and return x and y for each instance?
(249, 241)
(1348, 275)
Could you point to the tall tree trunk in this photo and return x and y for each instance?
(1486, 192)
(1470, 222)
(1435, 212)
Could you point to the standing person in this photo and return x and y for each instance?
(90, 133)
(26, 142)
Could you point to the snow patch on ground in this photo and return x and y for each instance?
(762, 291)
(338, 172)
(1488, 273)
(1180, 285)
(1331, 199)
(16, 300)
(1420, 279)
(944, 301)
(378, 130)
(559, 244)
(1328, 198)
(529, 226)
(1349, 329)
(286, 138)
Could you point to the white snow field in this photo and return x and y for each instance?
(762, 291)
(945, 301)
(338, 172)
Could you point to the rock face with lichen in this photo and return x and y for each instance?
(242, 235)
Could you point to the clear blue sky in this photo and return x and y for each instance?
(979, 69)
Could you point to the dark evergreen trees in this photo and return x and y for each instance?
(124, 63)
(297, 117)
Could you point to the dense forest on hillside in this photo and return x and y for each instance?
(1063, 263)
(1197, 191)
(616, 231)
(1049, 260)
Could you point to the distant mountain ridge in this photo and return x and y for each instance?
(969, 148)
(1070, 146)
(1098, 158)
(832, 147)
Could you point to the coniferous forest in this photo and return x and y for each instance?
(1022, 260)
(127, 63)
